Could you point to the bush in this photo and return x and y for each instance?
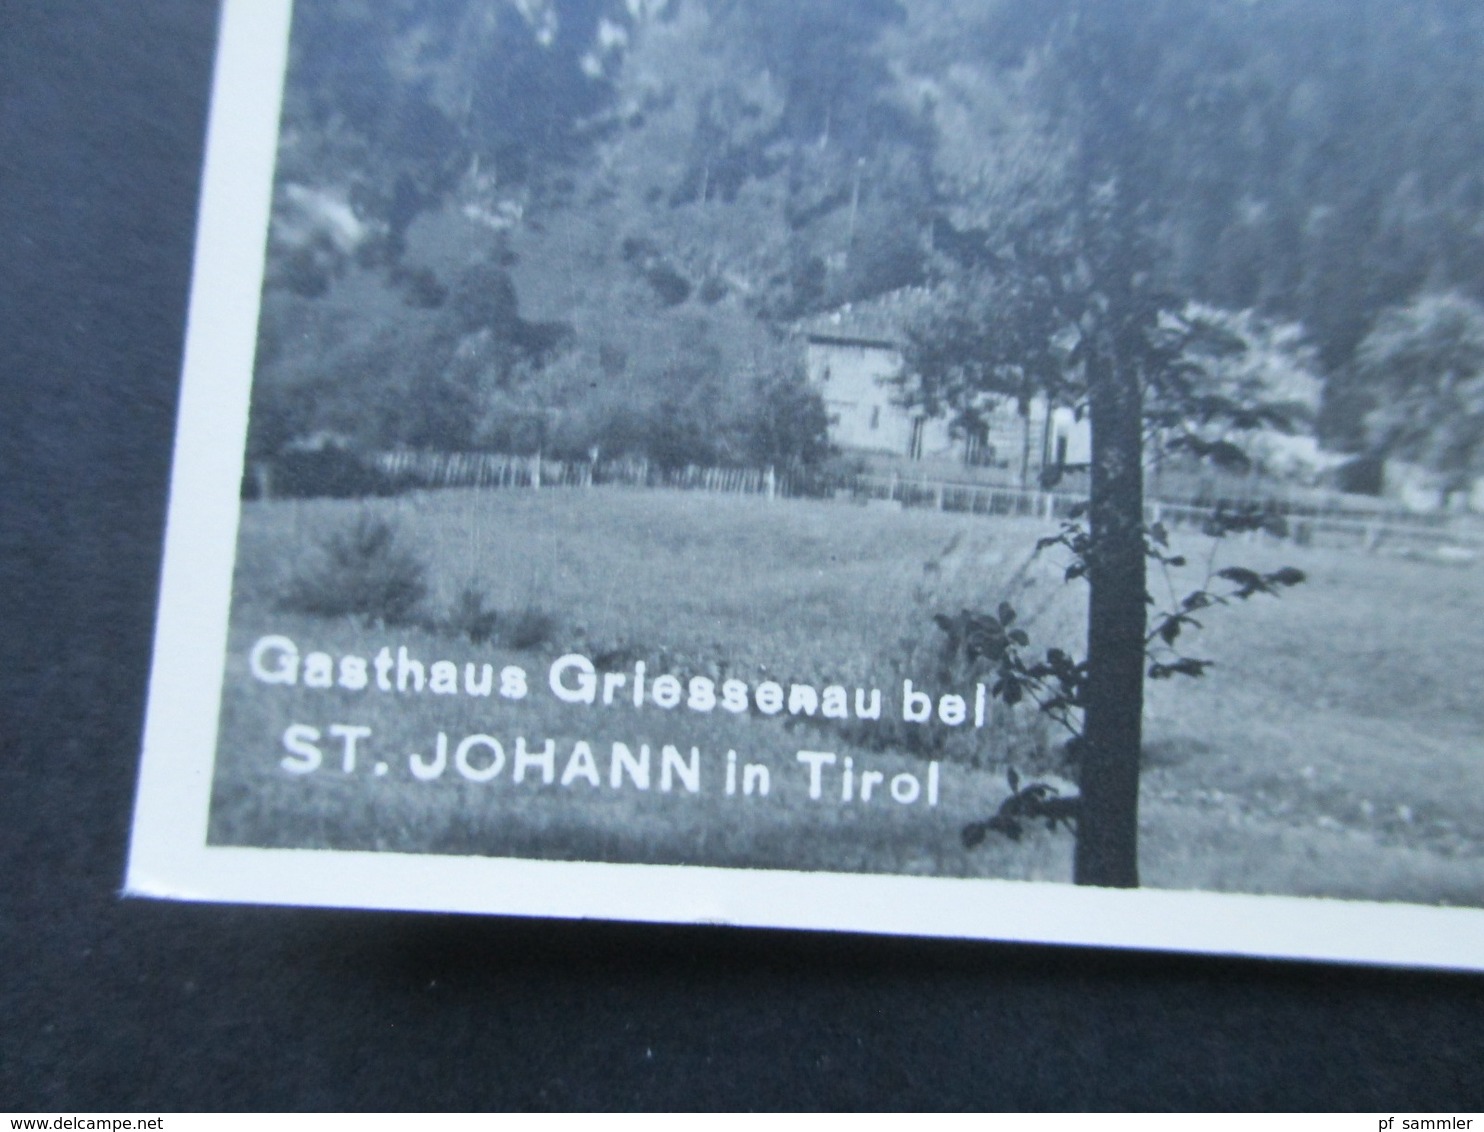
(937, 663)
(468, 617)
(530, 628)
(361, 571)
(326, 473)
(831, 475)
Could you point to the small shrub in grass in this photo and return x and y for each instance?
(529, 628)
(468, 617)
(937, 667)
(361, 570)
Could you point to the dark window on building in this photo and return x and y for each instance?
(978, 452)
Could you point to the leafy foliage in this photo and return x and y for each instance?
(462, 177)
(1225, 382)
(1056, 683)
(1425, 362)
(986, 340)
(1035, 801)
(329, 472)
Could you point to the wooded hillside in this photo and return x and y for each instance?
(528, 224)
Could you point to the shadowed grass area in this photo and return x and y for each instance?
(1334, 749)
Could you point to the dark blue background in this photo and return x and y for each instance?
(113, 1004)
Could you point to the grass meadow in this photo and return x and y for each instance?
(1333, 750)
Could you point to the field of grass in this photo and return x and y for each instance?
(1333, 749)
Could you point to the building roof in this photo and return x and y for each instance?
(881, 321)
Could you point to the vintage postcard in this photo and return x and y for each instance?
(1008, 470)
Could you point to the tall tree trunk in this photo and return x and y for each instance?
(1107, 850)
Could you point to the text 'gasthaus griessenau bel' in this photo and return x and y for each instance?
(575, 679)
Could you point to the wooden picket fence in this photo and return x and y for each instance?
(409, 469)
(1347, 523)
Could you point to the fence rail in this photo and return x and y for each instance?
(1308, 523)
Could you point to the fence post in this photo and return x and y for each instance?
(772, 482)
(536, 469)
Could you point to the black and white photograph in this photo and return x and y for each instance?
(1005, 468)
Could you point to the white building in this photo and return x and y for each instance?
(853, 357)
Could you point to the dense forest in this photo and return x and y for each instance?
(590, 225)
